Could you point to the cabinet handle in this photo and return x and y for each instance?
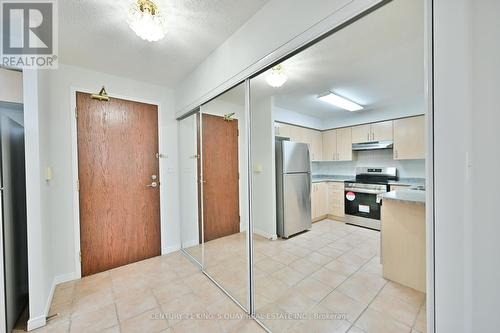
(396, 153)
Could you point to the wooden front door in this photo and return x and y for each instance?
(117, 160)
(221, 204)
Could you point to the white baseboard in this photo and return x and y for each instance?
(170, 249)
(190, 243)
(265, 234)
(40, 321)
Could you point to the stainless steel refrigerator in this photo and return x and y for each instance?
(293, 187)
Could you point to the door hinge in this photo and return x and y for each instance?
(238, 131)
(78, 184)
(76, 112)
(80, 256)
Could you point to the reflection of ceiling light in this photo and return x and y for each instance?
(146, 21)
(276, 76)
(340, 102)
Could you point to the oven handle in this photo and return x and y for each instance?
(360, 190)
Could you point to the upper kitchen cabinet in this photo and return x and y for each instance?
(382, 131)
(283, 130)
(330, 145)
(361, 133)
(316, 145)
(409, 138)
(337, 145)
(344, 144)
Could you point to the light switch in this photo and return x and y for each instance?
(48, 174)
(257, 168)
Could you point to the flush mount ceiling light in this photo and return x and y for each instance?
(276, 76)
(340, 102)
(146, 21)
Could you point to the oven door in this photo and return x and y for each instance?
(362, 204)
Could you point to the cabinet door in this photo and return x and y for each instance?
(409, 138)
(336, 199)
(284, 130)
(382, 131)
(316, 145)
(344, 144)
(330, 145)
(361, 134)
(322, 199)
(314, 201)
(399, 187)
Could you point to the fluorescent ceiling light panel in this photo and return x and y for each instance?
(340, 102)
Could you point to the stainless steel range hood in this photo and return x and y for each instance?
(372, 145)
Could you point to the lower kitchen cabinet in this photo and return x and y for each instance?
(336, 205)
(327, 199)
(319, 201)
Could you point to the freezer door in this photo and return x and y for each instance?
(296, 203)
(295, 157)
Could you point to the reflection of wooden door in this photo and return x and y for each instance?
(220, 175)
(119, 213)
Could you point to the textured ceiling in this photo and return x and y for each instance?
(94, 34)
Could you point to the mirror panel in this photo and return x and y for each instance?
(225, 198)
(189, 157)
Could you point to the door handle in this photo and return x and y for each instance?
(153, 185)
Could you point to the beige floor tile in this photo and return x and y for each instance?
(289, 276)
(406, 294)
(198, 326)
(318, 258)
(247, 326)
(340, 303)
(421, 321)
(305, 266)
(396, 308)
(299, 251)
(135, 303)
(341, 267)
(92, 302)
(285, 258)
(352, 259)
(277, 319)
(183, 308)
(114, 329)
(294, 302)
(322, 326)
(330, 252)
(150, 321)
(269, 266)
(227, 313)
(358, 289)
(313, 288)
(328, 277)
(94, 321)
(355, 329)
(171, 291)
(372, 321)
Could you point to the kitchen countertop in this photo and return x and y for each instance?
(413, 182)
(407, 196)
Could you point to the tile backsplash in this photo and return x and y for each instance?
(371, 158)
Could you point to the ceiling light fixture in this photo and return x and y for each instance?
(340, 102)
(276, 76)
(146, 20)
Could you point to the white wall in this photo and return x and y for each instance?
(220, 107)
(466, 115)
(278, 28)
(371, 158)
(296, 118)
(11, 86)
(263, 166)
(188, 181)
(59, 84)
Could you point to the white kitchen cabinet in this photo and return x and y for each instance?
(330, 145)
(316, 145)
(283, 130)
(319, 201)
(361, 133)
(382, 131)
(344, 144)
(409, 138)
(336, 204)
(399, 187)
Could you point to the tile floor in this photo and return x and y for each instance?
(328, 279)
